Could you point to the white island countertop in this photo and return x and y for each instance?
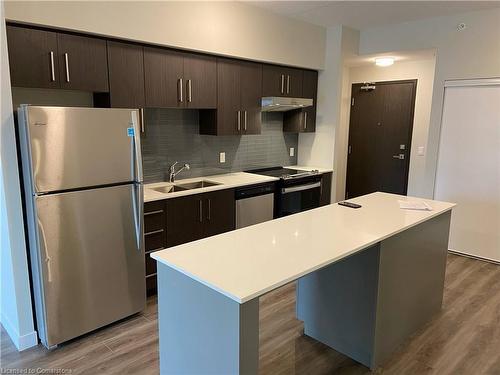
(249, 262)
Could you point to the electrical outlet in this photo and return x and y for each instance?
(292, 151)
(420, 151)
(222, 157)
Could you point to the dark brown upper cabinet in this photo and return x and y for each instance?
(47, 59)
(282, 81)
(126, 75)
(200, 77)
(33, 57)
(304, 120)
(251, 96)
(179, 80)
(83, 63)
(163, 70)
(239, 93)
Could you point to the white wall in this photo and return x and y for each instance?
(226, 27)
(15, 299)
(423, 71)
(471, 53)
(317, 149)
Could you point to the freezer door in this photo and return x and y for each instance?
(79, 147)
(91, 259)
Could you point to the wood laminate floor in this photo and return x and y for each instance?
(463, 339)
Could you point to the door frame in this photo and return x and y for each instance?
(410, 130)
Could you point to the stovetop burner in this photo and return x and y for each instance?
(283, 173)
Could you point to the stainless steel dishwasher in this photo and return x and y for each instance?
(254, 204)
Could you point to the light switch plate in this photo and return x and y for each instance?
(420, 151)
(292, 151)
(222, 157)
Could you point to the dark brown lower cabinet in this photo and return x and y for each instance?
(184, 219)
(155, 238)
(326, 189)
(175, 221)
(218, 212)
(197, 216)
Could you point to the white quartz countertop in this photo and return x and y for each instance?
(225, 181)
(249, 262)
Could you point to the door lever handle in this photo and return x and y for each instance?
(399, 156)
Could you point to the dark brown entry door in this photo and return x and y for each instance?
(380, 130)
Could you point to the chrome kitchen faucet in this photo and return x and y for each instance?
(173, 173)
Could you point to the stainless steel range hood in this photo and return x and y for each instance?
(282, 104)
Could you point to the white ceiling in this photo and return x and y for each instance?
(366, 14)
(414, 55)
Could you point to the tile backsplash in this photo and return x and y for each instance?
(172, 135)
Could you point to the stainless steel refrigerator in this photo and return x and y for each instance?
(82, 174)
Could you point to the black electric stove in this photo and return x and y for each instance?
(285, 173)
(298, 190)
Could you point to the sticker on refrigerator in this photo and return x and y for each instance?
(131, 132)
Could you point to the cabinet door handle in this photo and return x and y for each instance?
(288, 84)
(245, 120)
(52, 70)
(66, 63)
(143, 126)
(282, 83)
(201, 210)
(154, 232)
(179, 88)
(305, 120)
(209, 209)
(239, 121)
(189, 91)
(153, 212)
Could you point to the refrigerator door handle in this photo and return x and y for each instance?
(137, 203)
(137, 148)
(43, 243)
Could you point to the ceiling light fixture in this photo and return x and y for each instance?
(384, 61)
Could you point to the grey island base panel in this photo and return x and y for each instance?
(369, 304)
(363, 306)
(202, 331)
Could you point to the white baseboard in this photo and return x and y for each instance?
(22, 342)
(464, 254)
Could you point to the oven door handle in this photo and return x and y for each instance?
(293, 189)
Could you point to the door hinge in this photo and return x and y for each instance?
(349, 150)
(352, 102)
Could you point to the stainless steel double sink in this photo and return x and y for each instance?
(185, 186)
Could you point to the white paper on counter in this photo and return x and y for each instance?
(415, 205)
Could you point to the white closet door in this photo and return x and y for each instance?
(468, 170)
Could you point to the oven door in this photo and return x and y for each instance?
(298, 198)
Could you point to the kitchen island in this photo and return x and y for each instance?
(367, 279)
